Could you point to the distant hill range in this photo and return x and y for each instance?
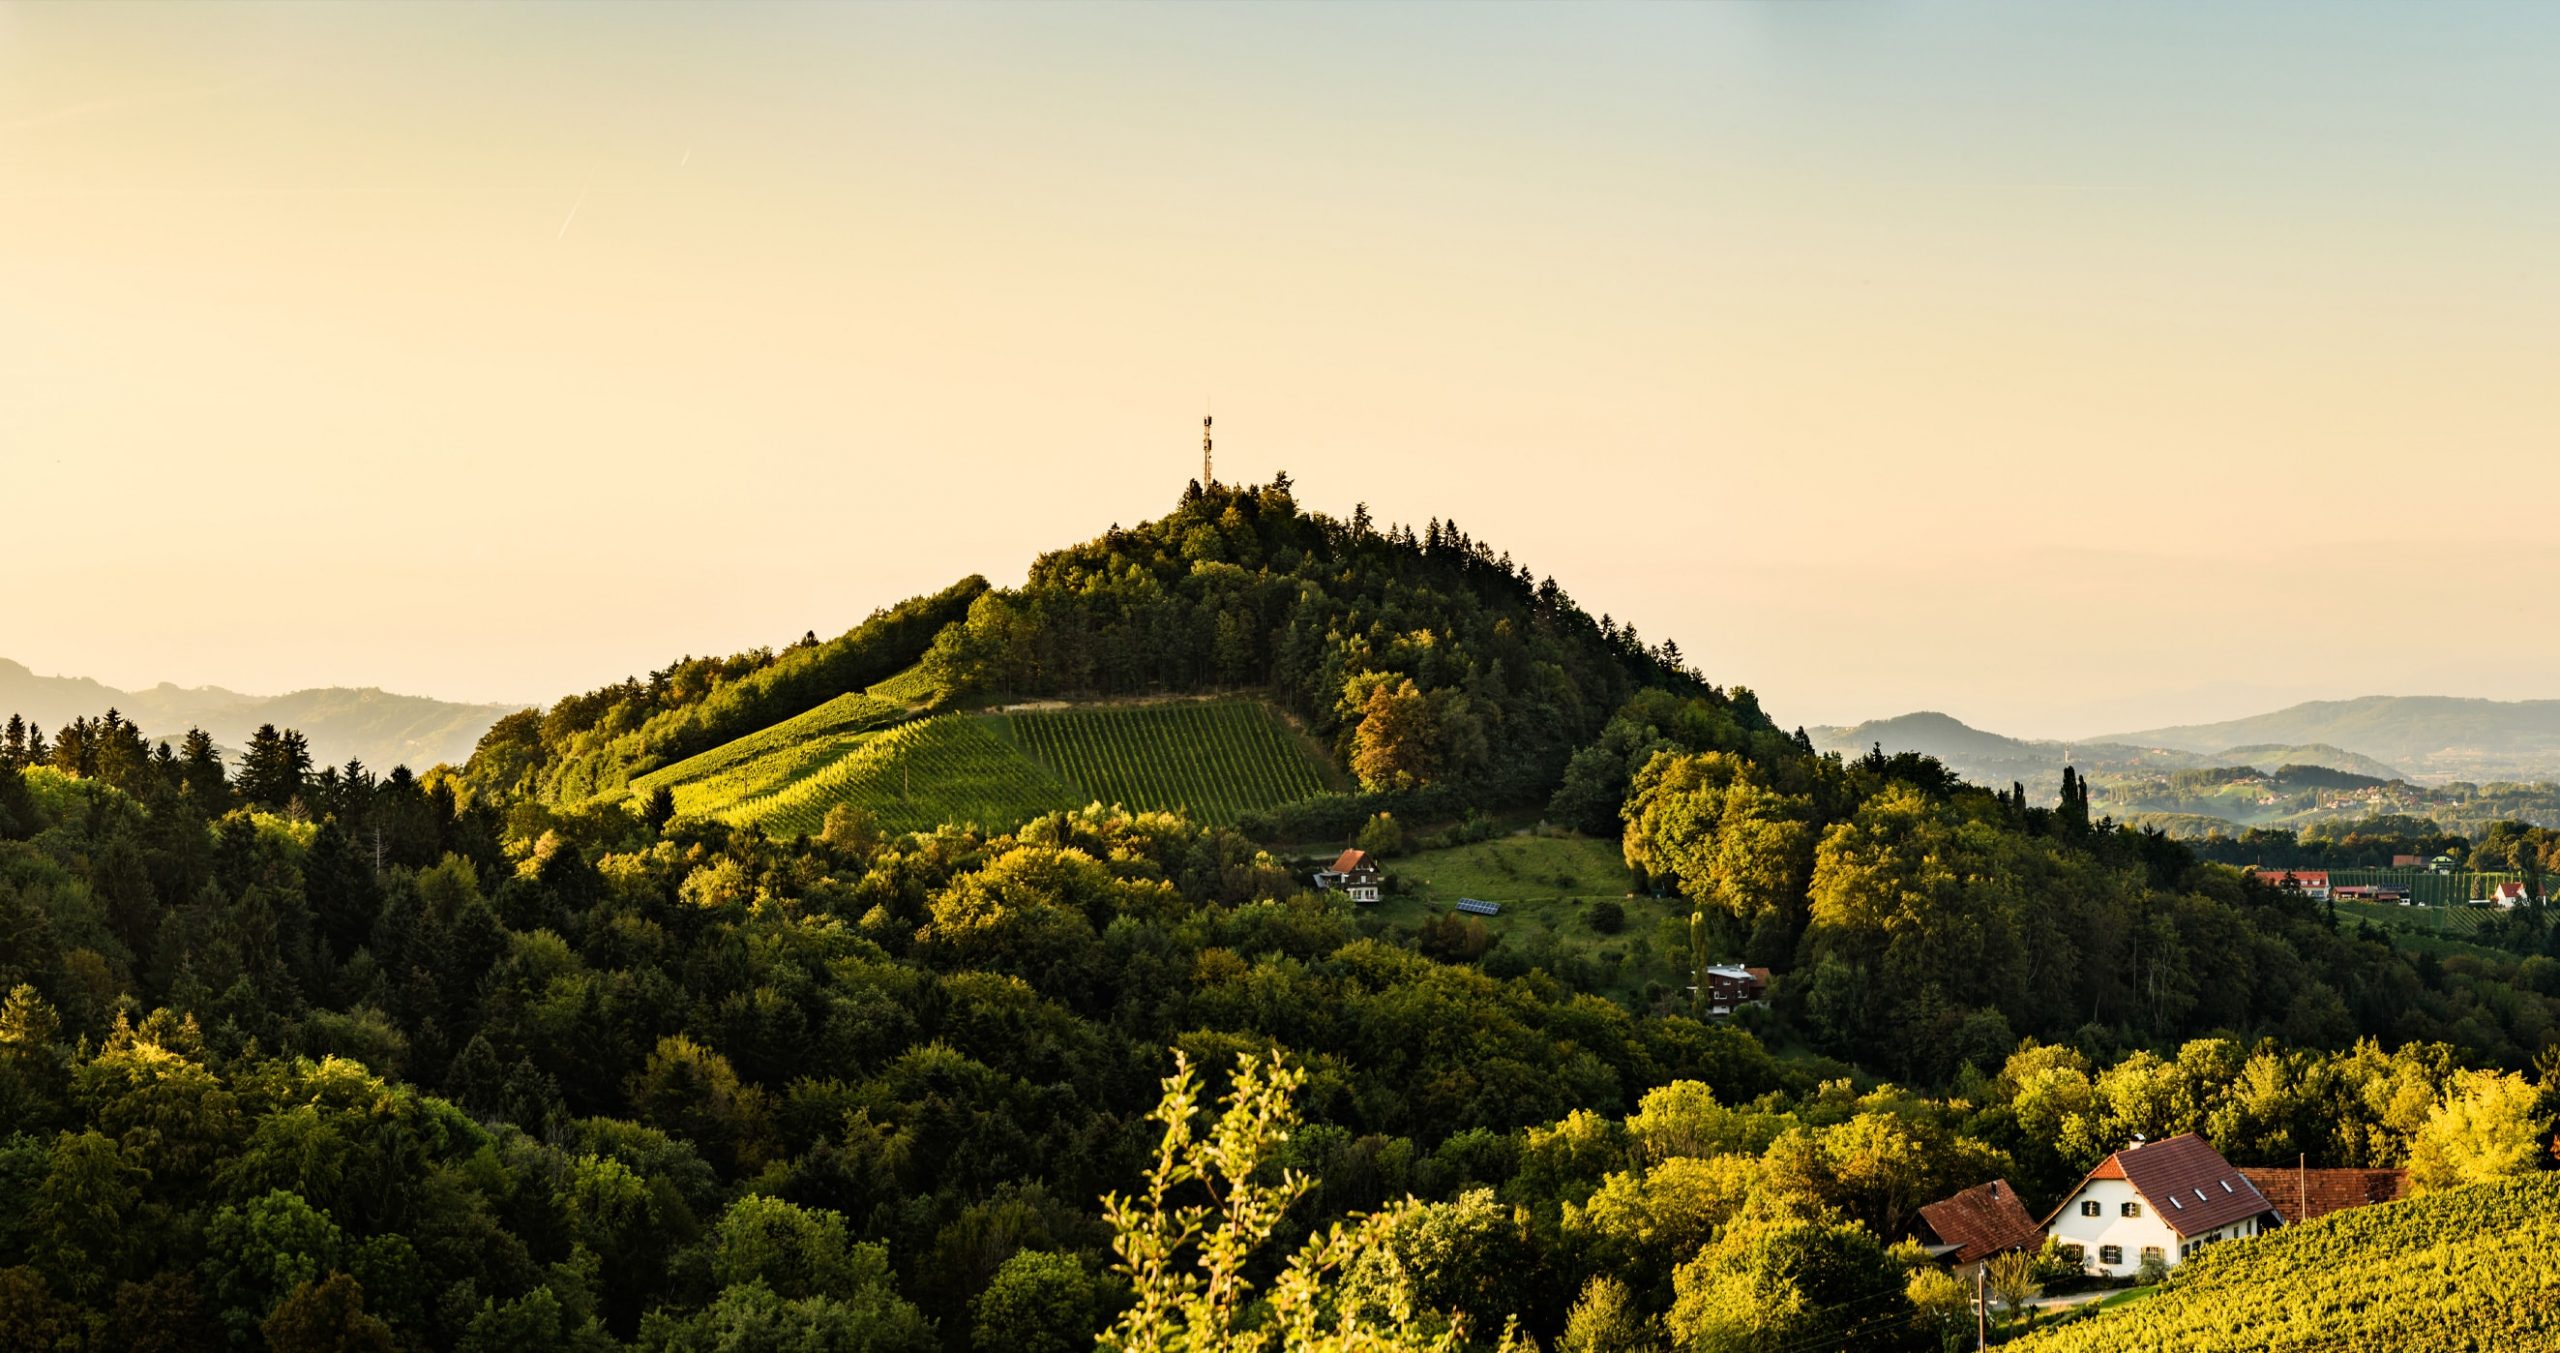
(1989, 758)
(380, 728)
(2434, 738)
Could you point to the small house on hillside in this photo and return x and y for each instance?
(1355, 874)
(2506, 895)
(2161, 1200)
(2301, 1195)
(1974, 1225)
(2408, 861)
(2311, 883)
(1731, 986)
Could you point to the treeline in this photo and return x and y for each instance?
(599, 742)
(1424, 658)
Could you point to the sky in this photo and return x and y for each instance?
(2068, 369)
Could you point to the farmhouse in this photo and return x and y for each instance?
(2311, 883)
(2300, 1195)
(1974, 1225)
(2161, 1200)
(1355, 874)
(2506, 895)
(1731, 986)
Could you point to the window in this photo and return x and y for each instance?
(2091, 1208)
(2111, 1255)
(2074, 1255)
(2152, 1252)
(2132, 1210)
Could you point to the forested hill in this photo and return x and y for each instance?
(1422, 659)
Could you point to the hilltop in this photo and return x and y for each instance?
(375, 726)
(1374, 666)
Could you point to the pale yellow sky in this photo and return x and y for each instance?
(2067, 369)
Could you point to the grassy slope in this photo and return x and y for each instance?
(2474, 1269)
(758, 763)
(1547, 885)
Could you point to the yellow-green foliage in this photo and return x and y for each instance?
(765, 761)
(1216, 758)
(911, 778)
(2475, 1269)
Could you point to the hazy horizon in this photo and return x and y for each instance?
(2067, 370)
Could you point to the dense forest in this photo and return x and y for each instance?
(303, 1057)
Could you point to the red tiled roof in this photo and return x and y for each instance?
(2189, 1185)
(2307, 878)
(2302, 1195)
(1348, 861)
(1981, 1221)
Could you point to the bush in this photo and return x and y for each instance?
(1608, 918)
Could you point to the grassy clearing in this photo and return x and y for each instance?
(2431, 930)
(1549, 888)
(1214, 759)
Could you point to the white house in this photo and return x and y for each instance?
(2161, 1200)
(1357, 875)
(2506, 895)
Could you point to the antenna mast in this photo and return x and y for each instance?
(1208, 477)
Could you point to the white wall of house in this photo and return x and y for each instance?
(2129, 1235)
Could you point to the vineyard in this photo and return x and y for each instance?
(1215, 759)
(912, 778)
(2475, 1269)
(769, 759)
(2427, 888)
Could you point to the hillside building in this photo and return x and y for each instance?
(2161, 1200)
(1355, 874)
(1977, 1224)
(1731, 986)
(2311, 883)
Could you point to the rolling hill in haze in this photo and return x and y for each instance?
(378, 727)
(1992, 759)
(2432, 737)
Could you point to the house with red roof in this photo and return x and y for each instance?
(1355, 873)
(1974, 1225)
(2311, 883)
(2506, 895)
(2157, 1200)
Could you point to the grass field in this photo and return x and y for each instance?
(1215, 758)
(1548, 887)
(2442, 931)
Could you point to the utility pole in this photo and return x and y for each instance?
(1208, 476)
(1981, 1309)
